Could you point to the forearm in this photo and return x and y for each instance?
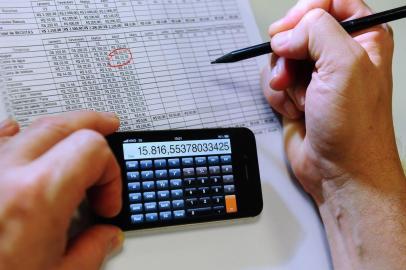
(365, 224)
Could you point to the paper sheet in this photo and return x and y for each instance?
(148, 61)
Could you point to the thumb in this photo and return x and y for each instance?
(318, 36)
(293, 137)
(89, 249)
(8, 127)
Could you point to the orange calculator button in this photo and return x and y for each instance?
(231, 204)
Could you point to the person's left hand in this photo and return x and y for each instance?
(45, 172)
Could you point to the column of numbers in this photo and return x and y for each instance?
(63, 71)
(141, 108)
(46, 14)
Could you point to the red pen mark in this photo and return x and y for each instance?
(119, 57)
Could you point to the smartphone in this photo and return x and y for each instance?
(176, 177)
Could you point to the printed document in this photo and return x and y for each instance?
(148, 61)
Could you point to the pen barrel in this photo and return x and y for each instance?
(252, 51)
(374, 19)
(350, 26)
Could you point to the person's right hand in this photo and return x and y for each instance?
(336, 89)
(335, 93)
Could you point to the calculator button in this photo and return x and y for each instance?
(160, 163)
(191, 203)
(188, 182)
(149, 196)
(151, 217)
(136, 208)
(226, 169)
(231, 204)
(213, 160)
(174, 173)
(162, 184)
(165, 215)
(163, 195)
(161, 174)
(190, 192)
(147, 175)
(229, 189)
(202, 181)
(200, 161)
(188, 172)
(201, 171)
(131, 165)
(177, 194)
(135, 197)
(173, 162)
(187, 162)
(136, 219)
(133, 176)
(218, 200)
(216, 190)
(228, 179)
(178, 204)
(204, 191)
(219, 210)
(214, 170)
(176, 183)
(204, 202)
(165, 205)
(135, 186)
(215, 180)
(150, 207)
(199, 212)
(148, 185)
(145, 164)
(179, 214)
(225, 159)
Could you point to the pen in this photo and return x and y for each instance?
(350, 26)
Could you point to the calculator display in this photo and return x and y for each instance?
(177, 177)
(179, 148)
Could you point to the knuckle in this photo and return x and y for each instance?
(52, 124)
(315, 15)
(90, 137)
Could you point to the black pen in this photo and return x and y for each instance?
(350, 26)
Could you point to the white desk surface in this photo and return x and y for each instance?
(288, 234)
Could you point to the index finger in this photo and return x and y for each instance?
(340, 9)
(47, 131)
(80, 163)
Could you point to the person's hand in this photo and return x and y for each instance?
(342, 85)
(45, 172)
(334, 92)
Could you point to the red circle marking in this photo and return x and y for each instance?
(119, 51)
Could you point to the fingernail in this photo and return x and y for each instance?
(281, 39)
(300, 98)
(110, 115)
(7, 123)
(277, 68)
(275, 26)
(290, 109)
(117, 241)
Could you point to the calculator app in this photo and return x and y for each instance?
(179, 179)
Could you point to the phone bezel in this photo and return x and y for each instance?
(244, 161)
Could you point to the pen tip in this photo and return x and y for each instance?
(213, 62)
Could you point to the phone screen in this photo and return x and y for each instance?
(186, 176)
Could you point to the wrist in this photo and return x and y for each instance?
(365, 219)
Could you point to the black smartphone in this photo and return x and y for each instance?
(176, 177)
